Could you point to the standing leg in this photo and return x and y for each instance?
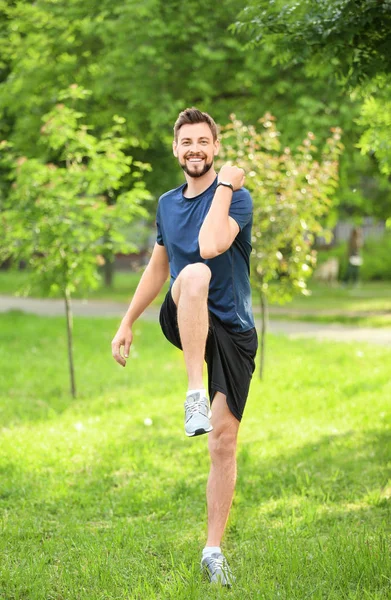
(220, 489)
(222, 477)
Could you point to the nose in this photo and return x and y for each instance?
(195, 148)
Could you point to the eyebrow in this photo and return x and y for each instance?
(187, 139)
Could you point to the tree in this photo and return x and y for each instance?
(376, 120)
(58, 217)
(292, 191)
(149, 60)
(354, 36)
(352, 39)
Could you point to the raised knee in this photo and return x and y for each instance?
(222, 445)
(195, 278)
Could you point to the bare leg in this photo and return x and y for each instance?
(222, 476)
(190, 294)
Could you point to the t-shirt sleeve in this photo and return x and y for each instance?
(241, 207)
(159, 234)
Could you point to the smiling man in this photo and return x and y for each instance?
(204, 243)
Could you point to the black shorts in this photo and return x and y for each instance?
(229, 355)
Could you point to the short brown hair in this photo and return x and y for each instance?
(190, 116)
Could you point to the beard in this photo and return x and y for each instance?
(193, 172)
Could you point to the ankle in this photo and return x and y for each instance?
(195, 389)
(209, 549)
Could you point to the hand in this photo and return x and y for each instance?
(233, 175)
(122, 339)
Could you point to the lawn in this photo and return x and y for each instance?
(367, 305)
(368, 297)
(95, 505)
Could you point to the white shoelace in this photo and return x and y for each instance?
(193, 406)
(218, 562)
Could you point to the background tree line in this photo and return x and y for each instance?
(147, 61)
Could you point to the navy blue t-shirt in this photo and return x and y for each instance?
(179, 221)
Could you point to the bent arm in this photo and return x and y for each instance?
(150, 284)
(218, 230)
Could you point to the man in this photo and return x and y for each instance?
(204, 241)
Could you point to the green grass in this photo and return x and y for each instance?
(367, 297)
(95, 505)
(381, 320)
(368, 305)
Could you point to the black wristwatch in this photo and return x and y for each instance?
(225, 184)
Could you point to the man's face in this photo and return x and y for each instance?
(195, 149)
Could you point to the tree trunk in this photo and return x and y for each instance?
(264, 319)
(108, 270)
(68, 311)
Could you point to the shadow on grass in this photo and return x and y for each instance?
(144, 473)
(336, 468)
(312, 516)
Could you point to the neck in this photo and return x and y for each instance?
(197, 185)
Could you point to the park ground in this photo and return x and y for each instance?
(96, 504)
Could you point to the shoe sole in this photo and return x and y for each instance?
(202, 430)
(199, 432)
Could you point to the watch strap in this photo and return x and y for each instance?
(225, 184)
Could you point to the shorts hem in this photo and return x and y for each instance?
(216, 388)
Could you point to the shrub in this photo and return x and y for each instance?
(377, 259)
(376, 255)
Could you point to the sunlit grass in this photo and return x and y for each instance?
(368, 296)
(381, 320)
(97, 505)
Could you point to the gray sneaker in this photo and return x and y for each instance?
(217, 569)
(197, 415)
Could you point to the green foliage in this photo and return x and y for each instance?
(292, 192)
(147, 61)
(363, 190)
(376, 259)
(354, 37)
(349, 42)
(62, 218)
(376, 255)
(135, 57)
(376, 119)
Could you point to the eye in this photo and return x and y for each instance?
(204, 142)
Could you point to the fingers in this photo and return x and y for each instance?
(116, 352)
(127, 348)
(233, 174)
(120, 345)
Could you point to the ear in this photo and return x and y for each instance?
(216, 148)
(174, 149)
